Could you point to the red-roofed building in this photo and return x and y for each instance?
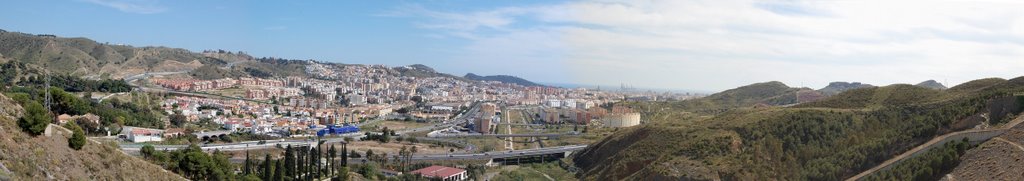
(442, 172)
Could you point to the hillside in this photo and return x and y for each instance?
(766, 93)
(82, 56)
(996, 159)
(830, 139)
(503, 79)
(23, 157)
(931, 84)
(840, 87)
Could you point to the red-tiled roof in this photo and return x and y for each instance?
(438, 171)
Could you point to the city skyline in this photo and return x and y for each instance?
(668, 45)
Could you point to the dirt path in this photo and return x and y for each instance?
(930, 143)
(1010, 142)
(545, 175)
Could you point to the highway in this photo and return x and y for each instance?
(241, 146)
(471, 135)
(501, 154)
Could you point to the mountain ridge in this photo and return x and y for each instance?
(503, 79)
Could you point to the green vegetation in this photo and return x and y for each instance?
(770, 93)
(537, 171)
(931, 165)
(77, 139)
(193, 163)
(76, 84)
(829, 139)
(35, 120)
(113, 113)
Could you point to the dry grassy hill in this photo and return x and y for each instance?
(23, 157)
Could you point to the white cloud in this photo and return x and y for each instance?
(715, 45)
(132, 6)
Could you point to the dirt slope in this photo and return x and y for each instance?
(23, 157)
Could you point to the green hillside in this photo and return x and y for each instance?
(829, 139)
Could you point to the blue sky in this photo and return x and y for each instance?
(670, 44)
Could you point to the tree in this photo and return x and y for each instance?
(268, 173)
(35, 119)
(289, 162)
(344, 155)
(77, 139)
(279, 171)
(248, 164)
(178, 120)
(342, 175)
(147, 151)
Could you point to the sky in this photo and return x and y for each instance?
(666, 44)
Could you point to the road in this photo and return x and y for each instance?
(501, 154)
(240, 146)
(470, 135)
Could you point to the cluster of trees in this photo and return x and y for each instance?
(113, 113)
(78, 84)
(931, 165)
(301, 163)
(36, 119)
(384, 137)
(193, 163)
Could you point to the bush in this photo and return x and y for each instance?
(35, 119)
(77, 139)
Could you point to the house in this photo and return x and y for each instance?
(442, 173)
(138, 135)
(64, 118)
(174, 132)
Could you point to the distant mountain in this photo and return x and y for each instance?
(766, 93)
(932, 84)
(502, 78)
(82, 56)
(830, 139)
(839, 87)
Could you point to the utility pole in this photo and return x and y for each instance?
(46, 88)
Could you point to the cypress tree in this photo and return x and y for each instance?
(289, 162)
(344, 155)
(267, 164)
(248, 164)
(279, 171)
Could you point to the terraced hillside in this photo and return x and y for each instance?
(829, 139)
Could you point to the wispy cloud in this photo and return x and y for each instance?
(722, 44)
(132, 6)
